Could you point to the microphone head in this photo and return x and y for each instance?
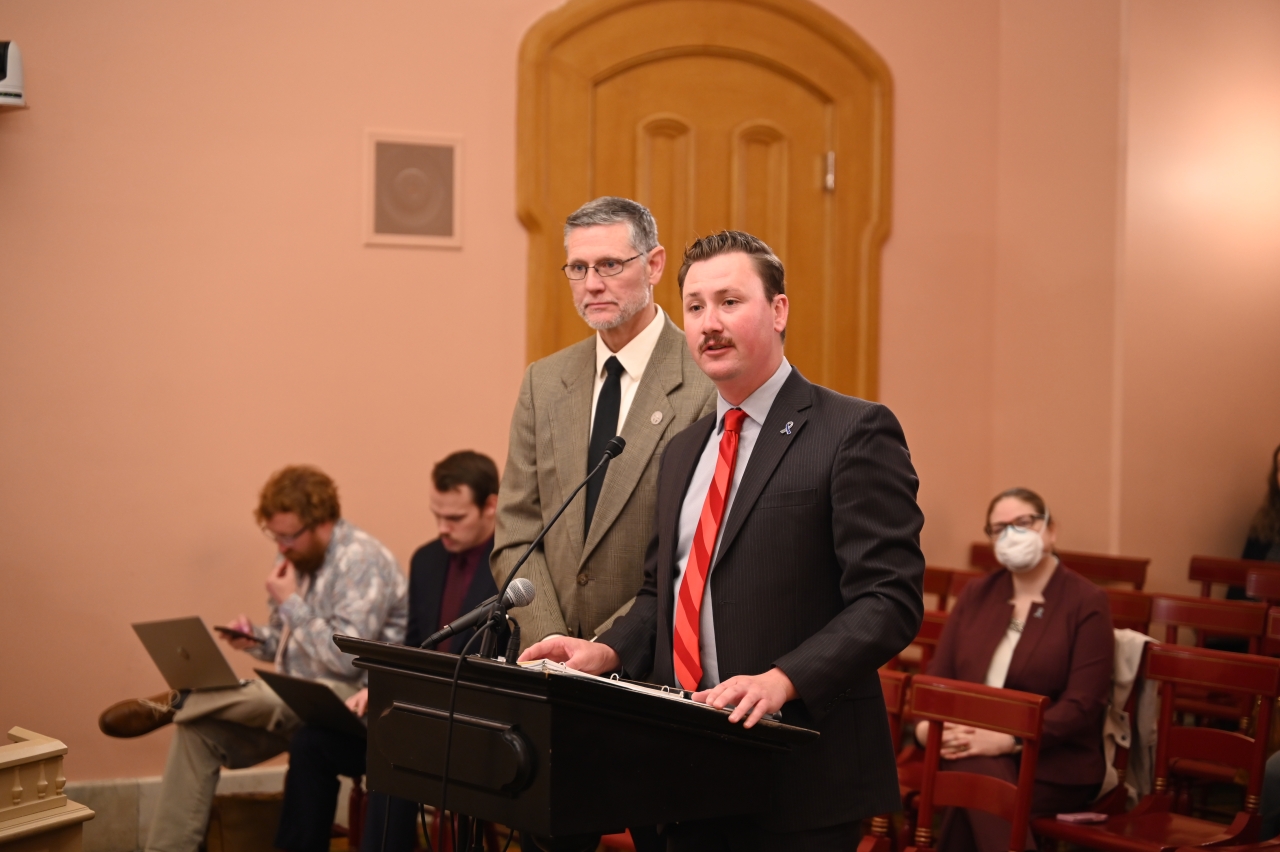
(614, 448)
(520, 593)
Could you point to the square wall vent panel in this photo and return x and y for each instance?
(413, 190)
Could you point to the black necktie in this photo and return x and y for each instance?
(603, 430)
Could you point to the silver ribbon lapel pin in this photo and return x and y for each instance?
(786, 430)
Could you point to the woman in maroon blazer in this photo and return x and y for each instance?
(1035, 626)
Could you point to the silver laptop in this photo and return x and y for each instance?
(186, 654)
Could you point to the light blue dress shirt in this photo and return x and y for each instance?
(757, 408)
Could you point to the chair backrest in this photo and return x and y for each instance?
(1098, 567)
(946, 584)
(1211, 616)
(894, 685)
(1270, 645)
(937, 582)
(1263, 584)
(928, 636)
(1207, 570)
(960, 579)
(1218, 671)
(1130, 609)
(1020, 714)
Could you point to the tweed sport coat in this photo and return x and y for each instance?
(818, 573)
(584, 582)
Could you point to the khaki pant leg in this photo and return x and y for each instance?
(199, 750)
(235, 728)
(253, 704)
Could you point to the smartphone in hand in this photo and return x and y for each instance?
(236, 634)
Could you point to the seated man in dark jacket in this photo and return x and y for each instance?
(447, 578)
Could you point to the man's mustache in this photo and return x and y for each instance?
(714, 340)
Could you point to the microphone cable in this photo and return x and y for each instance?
(448, 733)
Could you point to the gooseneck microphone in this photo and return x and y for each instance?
(520, 593)
(613, 449)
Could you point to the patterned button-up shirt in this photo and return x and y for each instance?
(358, 591)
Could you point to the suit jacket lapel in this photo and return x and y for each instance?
(661, 377)
(1034, 628)
(570, 414)
(771, 444)
(433, 588)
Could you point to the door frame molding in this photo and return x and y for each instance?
(533, 105)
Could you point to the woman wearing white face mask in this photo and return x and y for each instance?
(1035, 626)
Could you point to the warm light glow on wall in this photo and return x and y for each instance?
(1213, 176)
(1231, 184)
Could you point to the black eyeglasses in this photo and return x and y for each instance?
(606, 268)
(1022, 522)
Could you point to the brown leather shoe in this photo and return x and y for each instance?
(138, 716)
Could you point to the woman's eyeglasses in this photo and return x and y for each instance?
(1022, 522)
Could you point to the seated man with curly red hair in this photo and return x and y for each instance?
(329, 577)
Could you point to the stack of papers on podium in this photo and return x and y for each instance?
(554, 668)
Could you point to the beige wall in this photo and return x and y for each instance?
(1201, 278)
(1080, 293)
(1052, 341)
(186, 306)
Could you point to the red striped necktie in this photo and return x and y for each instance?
(688, 657)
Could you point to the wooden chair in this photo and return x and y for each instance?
(1207, 570)
(1271, 638)
(1272, 845)
(960, 579)
(926, 640)
(1246, 619)
(945, 584)
(894, 685)
(1098, 567)
(1152, 826)
(937, 582)
(1263, 583)
(1130, 610)
(1020, 714)
(1210, 616)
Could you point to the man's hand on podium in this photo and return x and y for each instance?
(590, 657)
(754, 694)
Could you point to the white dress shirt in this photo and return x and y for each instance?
(757, 408)
(998, 670)
(634, 357)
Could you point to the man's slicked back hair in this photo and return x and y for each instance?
(768, 267)
(612, 210)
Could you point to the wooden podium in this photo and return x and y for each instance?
(556, 755)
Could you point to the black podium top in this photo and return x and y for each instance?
(557, 754)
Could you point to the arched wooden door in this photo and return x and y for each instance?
(770, 116)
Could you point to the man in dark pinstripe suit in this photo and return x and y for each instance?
(812, 562)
